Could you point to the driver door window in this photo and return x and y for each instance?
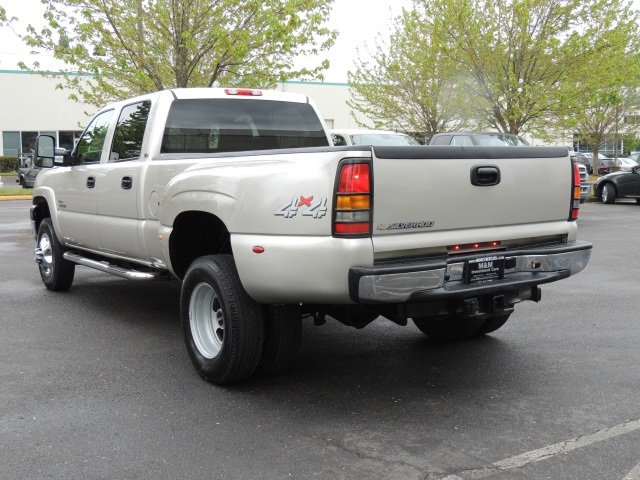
(90, 145)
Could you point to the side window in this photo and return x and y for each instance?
(461, 140)
(338, 140)
(441, 140)
(127, 139)
(92, 140)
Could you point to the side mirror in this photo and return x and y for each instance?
(45, 151)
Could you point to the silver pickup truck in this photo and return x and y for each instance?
(239, 195)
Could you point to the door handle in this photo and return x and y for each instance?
(91, 182)
(485, 175)
(127, 183)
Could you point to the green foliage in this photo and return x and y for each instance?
(631, 143)
(606, 86)
(512, 65)
(133, 47)
(8, 164)
(410, 83)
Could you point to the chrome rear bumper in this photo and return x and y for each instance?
(441, 278)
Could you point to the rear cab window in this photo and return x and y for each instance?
(129, 133)
(232, 125)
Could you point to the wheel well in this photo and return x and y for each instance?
(196, 234)
(41, 211)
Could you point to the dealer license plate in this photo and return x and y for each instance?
(485, 269)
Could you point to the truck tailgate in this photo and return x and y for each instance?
(423, 194)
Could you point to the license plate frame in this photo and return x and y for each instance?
(483, 270)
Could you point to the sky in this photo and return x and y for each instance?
(358, 22)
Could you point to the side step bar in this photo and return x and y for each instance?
(115, 270)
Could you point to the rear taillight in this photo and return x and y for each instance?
(352, 206)
(575, 195)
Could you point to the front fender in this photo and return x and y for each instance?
(45, 197)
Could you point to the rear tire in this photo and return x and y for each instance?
(282, 335)
(448, 328)
(492, 324)
(638, 201)
(608, 193)
(56, 272)
(223, 327)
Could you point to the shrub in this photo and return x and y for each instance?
(8, 164)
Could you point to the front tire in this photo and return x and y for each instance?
(448, 328)
(56, 272)
(223, 327)
(608, 194)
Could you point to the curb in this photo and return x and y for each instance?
(15, 197)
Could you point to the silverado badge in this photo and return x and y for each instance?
(406, 225)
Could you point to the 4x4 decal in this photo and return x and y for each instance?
(303, 205)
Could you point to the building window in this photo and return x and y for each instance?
(29, 141)
(11, 144)
(68, 139)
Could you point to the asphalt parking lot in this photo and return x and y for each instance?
(96, 384)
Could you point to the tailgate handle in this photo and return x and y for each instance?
(485, 175)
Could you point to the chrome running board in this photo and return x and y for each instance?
(106, 267)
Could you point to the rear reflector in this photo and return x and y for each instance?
(352, 228)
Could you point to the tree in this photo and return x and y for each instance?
(522, 54)
(606, 89)
(132, 47)
(410, 84)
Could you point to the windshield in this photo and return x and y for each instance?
(502, 140)
(383, 139)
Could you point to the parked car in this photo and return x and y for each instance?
(601, 157)
(618, 185)
(626, 164)
(494, 139)
(370, 137)
(585, 184)
(605, 165)
(635, 156)
(585, 160)
(1, 182)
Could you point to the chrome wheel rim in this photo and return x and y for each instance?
(206, 320)
(605, 193)
(44, 244)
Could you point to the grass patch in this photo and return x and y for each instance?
(9, 174)
(10, 192)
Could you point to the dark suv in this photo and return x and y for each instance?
(479, 138)
(586, 161)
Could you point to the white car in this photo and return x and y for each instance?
(370, 137)
(626, 164)
(1, 183)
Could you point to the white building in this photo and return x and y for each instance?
(31, 105)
